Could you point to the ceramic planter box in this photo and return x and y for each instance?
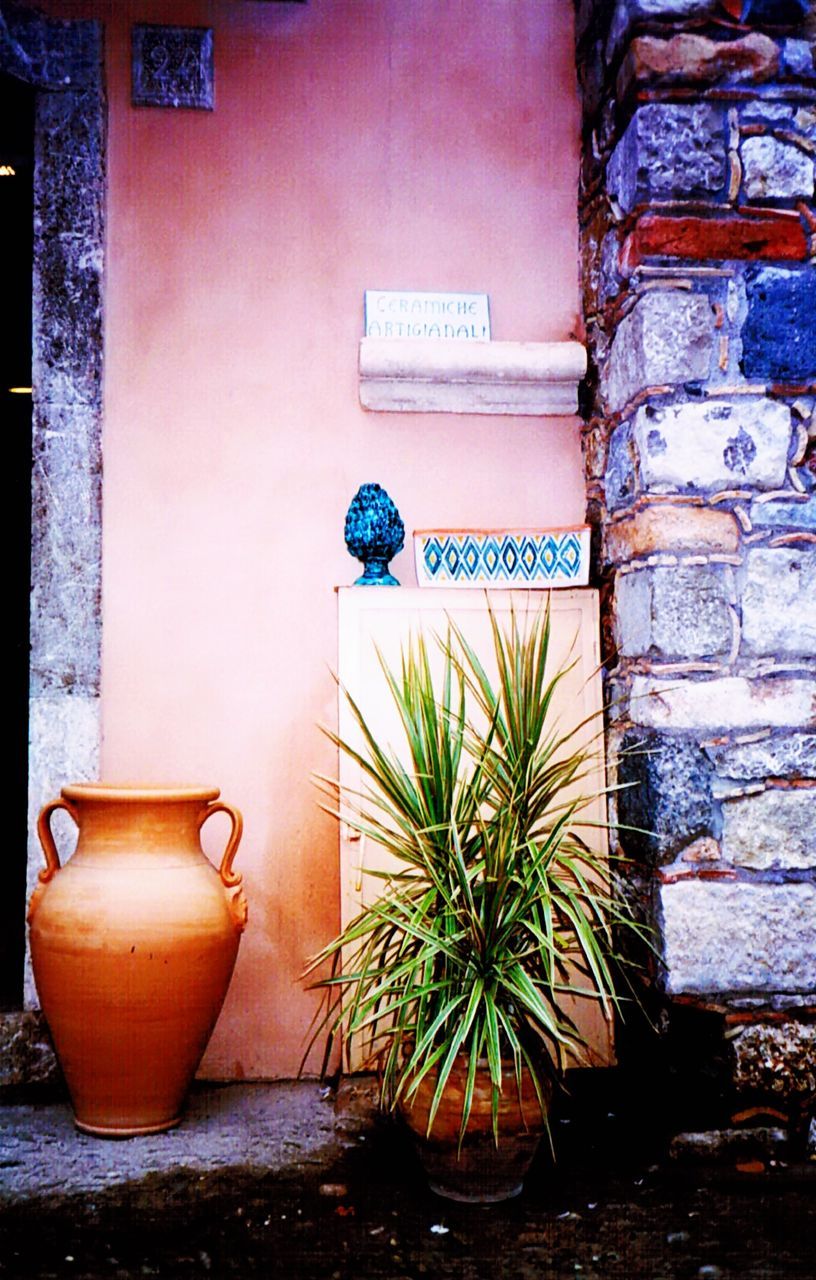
(502, 557)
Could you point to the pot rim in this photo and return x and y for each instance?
(135, 793)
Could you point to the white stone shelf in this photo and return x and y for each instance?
(422, 375)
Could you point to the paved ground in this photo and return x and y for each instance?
(263, 1181)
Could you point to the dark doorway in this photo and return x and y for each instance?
(16, 228)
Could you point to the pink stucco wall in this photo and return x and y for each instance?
(355, 144)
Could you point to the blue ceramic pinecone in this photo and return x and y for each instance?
(374, 534)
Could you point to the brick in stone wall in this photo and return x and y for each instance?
(713, 444)
(770, 829)
(779, 601)
(666, 338)
(668, 150)
(722, 239)
(679, 612)
(730, 936)
(779, 334)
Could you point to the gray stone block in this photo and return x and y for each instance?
(666, 795)
(722, 936)
(621, 478)
(805, 121)
(798, 57)
(771, 829)
(69, 196)
(671, 8)
(67, 295)
(712, 444)
(668, 150)
(26, 1053)
(49, 53)
(673, 612)
(790, 756)
(666, 338)
(779, 602)
(785, 514)
(762, 109)
(66, 551)
(760, 1141)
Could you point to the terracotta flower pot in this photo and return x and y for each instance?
(133, 943)
(481, 1172)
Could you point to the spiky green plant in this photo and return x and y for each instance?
(497, 909)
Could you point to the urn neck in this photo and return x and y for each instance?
(150, 821)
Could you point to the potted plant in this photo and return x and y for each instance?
(497, 914)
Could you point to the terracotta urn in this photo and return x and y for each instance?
(482, 1171)
(133, 944)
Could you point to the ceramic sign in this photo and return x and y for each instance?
(502, 557)
(399, 314)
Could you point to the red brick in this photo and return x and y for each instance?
(724, 238)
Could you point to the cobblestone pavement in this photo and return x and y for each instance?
(262, 1181)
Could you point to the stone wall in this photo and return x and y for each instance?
(63, 61)
(699, 271)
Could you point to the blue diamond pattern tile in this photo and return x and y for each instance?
(471, 556)
(451, 558)
(491, 557)
(433, 556)
(507, 558)
(570, 555)
(549, 556)
(528, 556)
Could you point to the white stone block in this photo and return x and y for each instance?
(726, 702)
(713, 444)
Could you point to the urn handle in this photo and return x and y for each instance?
(229, 878)
(49, 848)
